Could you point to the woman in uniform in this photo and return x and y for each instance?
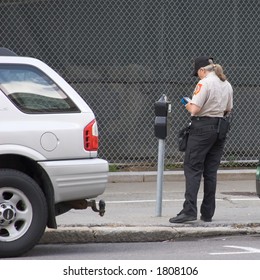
(211, 102)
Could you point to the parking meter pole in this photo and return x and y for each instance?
(160, 169)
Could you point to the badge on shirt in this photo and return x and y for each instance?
(197, 89)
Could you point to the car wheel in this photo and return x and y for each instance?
(23, 213)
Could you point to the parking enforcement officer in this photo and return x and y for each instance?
(211, 102)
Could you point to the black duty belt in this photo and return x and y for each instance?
(204, 121)
(194, 118)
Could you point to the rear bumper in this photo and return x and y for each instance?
(77, 179)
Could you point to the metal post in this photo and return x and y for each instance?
(160, 169)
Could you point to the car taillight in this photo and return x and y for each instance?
(91, 136)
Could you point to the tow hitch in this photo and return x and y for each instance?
(84, 204)
(101, 204)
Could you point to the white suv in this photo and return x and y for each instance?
(48, 152)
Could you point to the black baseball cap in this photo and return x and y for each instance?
(201, 61)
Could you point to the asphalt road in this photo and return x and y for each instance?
(215, 248)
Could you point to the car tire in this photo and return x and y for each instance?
(23, 213)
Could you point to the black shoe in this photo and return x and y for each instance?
(204, 219)
(182, 218)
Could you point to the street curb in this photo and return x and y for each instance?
(117, 234)
(151, 176)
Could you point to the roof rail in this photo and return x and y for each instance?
(6, 52)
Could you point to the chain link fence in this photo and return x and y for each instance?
(122, 55)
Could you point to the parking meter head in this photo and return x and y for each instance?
(160, 127)
(162, 108)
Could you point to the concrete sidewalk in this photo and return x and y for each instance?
(131, 210)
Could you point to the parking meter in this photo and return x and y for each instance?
(162, 109)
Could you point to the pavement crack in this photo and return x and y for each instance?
(228, 200)
(94, 234)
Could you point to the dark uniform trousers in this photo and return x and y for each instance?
(202, 157)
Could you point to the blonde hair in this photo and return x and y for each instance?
(217, 68)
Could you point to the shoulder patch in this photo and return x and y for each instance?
(197, 89)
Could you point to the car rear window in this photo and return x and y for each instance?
(32, 91)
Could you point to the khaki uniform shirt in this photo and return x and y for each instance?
(213, 96)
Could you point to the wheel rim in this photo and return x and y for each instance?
(15, 214)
